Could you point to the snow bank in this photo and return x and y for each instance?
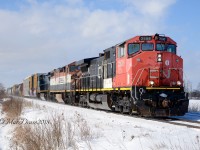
(5, 132)
(194, 105)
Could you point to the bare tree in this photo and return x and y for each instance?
(198, 87)
(196, 93)
(2, 91)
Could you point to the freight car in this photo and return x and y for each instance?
(142, 75)
(16, 89)
(36, 85)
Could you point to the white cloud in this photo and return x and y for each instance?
(47, 35)
(154, 8)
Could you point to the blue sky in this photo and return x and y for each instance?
(40, 35)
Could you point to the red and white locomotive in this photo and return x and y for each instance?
(142, 75)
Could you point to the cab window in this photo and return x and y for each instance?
(171, 48)
(160, 47)
(147, 46)
(133, 48)
(121, 51)
(166, 47)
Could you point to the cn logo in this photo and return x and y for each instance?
(167, 62)
(167, 75)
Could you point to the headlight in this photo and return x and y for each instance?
(159, 57)
(179, 83)
(151, 83)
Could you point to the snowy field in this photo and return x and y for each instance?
(112, 131)
(194, 106)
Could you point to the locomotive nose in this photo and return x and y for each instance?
(171, 70)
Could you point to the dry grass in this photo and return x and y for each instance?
(84, 130)
(82, 126)
(57, 135)
(12, 108)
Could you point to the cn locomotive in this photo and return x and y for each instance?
(142, 75)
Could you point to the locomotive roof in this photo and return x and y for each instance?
(84, 61)
(138, 36)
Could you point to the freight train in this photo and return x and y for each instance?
(142, 75)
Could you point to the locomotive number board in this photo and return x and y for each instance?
(145, 38)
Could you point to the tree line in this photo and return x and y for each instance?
(2, 91)
(195, 93)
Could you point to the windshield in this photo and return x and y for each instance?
(166, 47)
(133, 48)
(147, 46)
(160, 47)
(171, 48)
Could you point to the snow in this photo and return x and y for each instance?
(113, 131)
(194, 105)
(5, 132)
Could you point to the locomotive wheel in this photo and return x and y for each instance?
(121, 110)
(130, 112)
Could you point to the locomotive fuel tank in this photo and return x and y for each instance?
(98, 97)
(99, 101)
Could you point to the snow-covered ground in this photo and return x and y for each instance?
(113, 131)
(194, 105)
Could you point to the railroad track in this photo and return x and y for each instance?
(169, 120)
(182, 122)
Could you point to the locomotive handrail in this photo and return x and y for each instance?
(133, 82)
(137, 83)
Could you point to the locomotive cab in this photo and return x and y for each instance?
(151, 67)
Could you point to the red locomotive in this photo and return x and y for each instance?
(142, 75)
(150, 67)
